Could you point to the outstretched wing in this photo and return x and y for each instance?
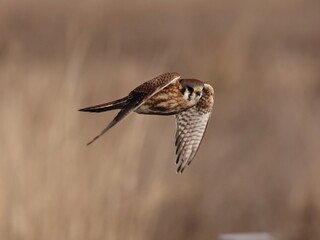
(191, 126)
(137, 97)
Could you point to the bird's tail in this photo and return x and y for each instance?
(117, 104)
(129, 107)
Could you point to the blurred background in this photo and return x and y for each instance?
(257, 169)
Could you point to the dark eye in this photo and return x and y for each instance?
(190, 89)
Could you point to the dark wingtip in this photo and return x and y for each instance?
(95, 138)
(179, 170)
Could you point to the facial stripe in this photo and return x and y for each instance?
(183, 90)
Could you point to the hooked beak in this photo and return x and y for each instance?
(198, 90)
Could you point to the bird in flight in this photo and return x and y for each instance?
(190, 100)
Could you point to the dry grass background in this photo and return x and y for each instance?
(258, 166)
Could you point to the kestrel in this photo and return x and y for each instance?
(190, 100)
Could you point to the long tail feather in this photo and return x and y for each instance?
(117, 104)
(124, 112)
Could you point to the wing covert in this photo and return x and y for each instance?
(153, 86)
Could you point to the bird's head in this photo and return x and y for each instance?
(191, 89)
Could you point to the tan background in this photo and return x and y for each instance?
(258, 168)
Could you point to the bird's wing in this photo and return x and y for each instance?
(124, 112)
(137, 97)
(190, 128)
(153, 86)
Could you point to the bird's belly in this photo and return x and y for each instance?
(165, 103)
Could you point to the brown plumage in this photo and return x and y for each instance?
(190, 100)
